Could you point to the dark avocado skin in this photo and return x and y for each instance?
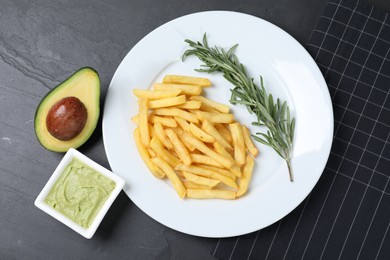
(83, 84)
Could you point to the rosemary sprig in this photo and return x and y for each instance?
(276, 116)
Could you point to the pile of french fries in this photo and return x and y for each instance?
(192, 140)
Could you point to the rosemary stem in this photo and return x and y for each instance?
(290, 170)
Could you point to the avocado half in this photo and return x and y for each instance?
(84, 84)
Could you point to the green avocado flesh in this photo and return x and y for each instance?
(72, 128)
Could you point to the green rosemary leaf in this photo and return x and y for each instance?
(257, 124)
(283, 112)
(258, 139)
(292, 129)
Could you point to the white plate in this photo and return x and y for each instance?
(289, 72)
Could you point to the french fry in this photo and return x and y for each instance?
(215, 117)
(211, 194)
(182, 123)
(165, 121)
(218, 106)
(158, 148)
(143, 122)
(160, 134)
(191, 185)
(204, 159)
(238, 142)
(193, 112)
(200, 180)
(225, 172)
(173, 111)
(157, 172)
(192, 104)
(246, 176)
(151, 130)
(224, 130)
(207, 108)
(172, 176)
(179, 133)
(178, 79)
(222, 151)
(248, 141)
(210, 129)
(200, 134)
(135, 119)
(189, 90)
(206, 150)
(153, 94)
(179, 147)
(167, 102)
(151, 152)
(207, 173)
(181, 175)
(235, 168)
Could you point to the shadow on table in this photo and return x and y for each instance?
(112, 218)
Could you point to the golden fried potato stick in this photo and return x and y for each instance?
(206, 150)
(207, 173)
(193, 104)
(211, 130)
(224, 130)
(215, 117)
(201, 135)
(204, 159)
(189, 90)
(179, 147)
(135, 119)
(235, 168)
(161, 135)
(167, 102)
(201, 180)
(238, 142)
(211, 194)
(191, 185)
(165, 121)
(179, 133)
(218, 106)
(179, 79)
(225, 172)
(246, 176)
(207, 108)
(145, 155)
(248, 141)
(172, 176)
(161, 152)
(151, 152)
(143, 122)
(151, 131)
(182, 123)
(155, 94)
(173, 111)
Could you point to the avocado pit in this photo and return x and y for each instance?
(66, 118)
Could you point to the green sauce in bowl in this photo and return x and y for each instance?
(80, 192)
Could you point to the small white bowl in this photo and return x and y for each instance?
(40, 200)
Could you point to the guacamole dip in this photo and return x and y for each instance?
(80, 192)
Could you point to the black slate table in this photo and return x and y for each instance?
(43, 42)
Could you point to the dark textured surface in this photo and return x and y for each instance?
(347, 215)
(43, 42)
